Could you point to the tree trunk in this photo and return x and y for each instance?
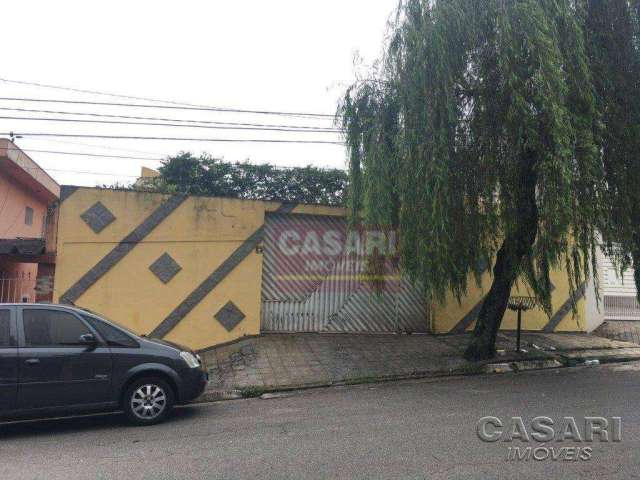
(516, 245)
(636, 269)
(635, 254)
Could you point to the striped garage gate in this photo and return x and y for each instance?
(313, 281)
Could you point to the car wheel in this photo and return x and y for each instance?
(148, 401)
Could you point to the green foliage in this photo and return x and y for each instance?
(473, 100)
(206, 175)
(613, 30)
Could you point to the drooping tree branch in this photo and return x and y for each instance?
(467, 89)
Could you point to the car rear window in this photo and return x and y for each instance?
(112, 335)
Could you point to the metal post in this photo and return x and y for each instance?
(519, 327)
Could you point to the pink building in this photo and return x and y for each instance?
(28, 202)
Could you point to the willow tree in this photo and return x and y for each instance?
(477, 137)
(613, 41)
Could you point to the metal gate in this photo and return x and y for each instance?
(17, 288)
(311, 283)
(620, 296)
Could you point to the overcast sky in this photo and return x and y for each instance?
(275, 55)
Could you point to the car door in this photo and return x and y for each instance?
(55, 368)
(8, 359)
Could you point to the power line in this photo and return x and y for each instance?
(44, 169)
(179, 139)
(59, 152)
(91, 92)
(149, 99)
(156, 124)
(126, 157)
(223, 160)
(86, 172)
(93, 145)
(170, 107)
(161, 119)
(90, 172)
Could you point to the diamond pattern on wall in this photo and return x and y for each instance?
(98, 217)
(229, 316)
(165, 268)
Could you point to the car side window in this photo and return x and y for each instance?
(113, 336)
(5, 328)
(51, 328)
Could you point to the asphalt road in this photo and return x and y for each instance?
(414, 429)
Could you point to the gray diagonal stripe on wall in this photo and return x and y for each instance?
(213, 280)
(468, 319)
(286, 208)
(66, 191)
(564, 310)
(122, 249)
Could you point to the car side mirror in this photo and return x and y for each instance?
(88, 339)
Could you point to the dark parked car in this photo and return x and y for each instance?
(56, 358)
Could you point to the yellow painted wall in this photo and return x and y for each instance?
(199, 235)
(446, 316)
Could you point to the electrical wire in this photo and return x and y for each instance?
(180, 139)
(86, 172)
(45, 170)
(161, 119)
(149, 99)
(58, 152)
(152, 124)
(81, 154)
(170, 107)
(89, 172)
(93, 145)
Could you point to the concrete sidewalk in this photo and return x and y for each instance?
(628, 331)
(273, 362)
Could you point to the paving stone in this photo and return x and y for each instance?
(281, 360)
(628, 331)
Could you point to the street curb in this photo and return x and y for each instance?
(558, 362)
(522, 366)
(601, 360)
(254, 392)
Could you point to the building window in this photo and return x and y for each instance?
(28, 216)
